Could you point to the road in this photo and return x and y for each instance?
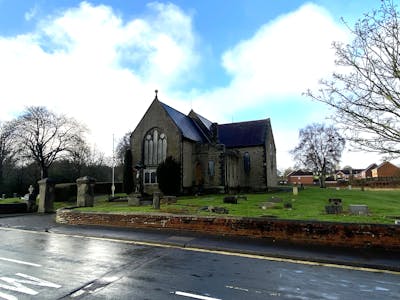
(47, 265)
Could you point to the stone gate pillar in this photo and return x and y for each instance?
(85, 188)
(46, 195)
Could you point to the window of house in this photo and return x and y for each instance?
(246, 162)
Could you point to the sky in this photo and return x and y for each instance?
(230, 61)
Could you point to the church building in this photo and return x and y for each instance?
(213, 157)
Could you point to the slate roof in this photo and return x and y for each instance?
(243, 134)
(185, 124)
(300, 173)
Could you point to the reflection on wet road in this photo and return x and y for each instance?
(38, 265)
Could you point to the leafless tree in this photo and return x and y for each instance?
(5, 146)
(320, 148)
(123, 145)
(365, 95)
(42, 136)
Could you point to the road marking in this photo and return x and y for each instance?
(194, 296)
(221, 252)
(21, 262)
(7, 296)
(19, 285)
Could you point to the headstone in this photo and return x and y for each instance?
(134, 199)
(85, 191)
(230, 199)
(358, 209)
(168, 200)
(295, 190)
(267, 205)
(156, 200)
(46, 195)
(15, 195)
(3, 196)
(349, 187)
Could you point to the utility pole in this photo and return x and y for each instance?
(113, 164)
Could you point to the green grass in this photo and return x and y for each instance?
(309, 204)
(11, 200)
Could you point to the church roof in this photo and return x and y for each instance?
(185, 124)
(243, 134)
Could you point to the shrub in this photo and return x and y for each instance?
(169, 176)
(128, 174)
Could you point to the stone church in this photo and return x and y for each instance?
(213, 157)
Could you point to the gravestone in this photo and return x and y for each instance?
(134, 199)
(85, 191)
(334, 207)
(168, 200)
(230, 199)
(295, 190)
(358, 209)
(267, 205)
(156, 200)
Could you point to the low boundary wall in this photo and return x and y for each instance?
(352, 235)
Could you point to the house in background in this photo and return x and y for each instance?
(366, 173)
(212, 156)
(301, 177)
(386, 169)
(347, 174)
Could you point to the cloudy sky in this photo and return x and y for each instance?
(237, 60)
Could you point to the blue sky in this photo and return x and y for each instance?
(100, 61)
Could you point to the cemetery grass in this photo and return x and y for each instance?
(309, 204)
(11, 201)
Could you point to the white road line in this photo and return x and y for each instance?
(194, 296)
(20, 262)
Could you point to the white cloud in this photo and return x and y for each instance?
(88, 63)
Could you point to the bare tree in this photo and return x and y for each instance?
(320, 148)
(42, 136)
(123, 145)
(5, 146)
(365, 96)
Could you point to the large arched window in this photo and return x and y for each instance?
(155, 147)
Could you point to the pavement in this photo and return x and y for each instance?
(366, 258)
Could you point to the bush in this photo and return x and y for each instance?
(169, 176)
(128, 174)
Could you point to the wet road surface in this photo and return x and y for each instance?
(40, 265)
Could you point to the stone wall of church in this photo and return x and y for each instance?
(207, 160)
(155, 117)
(187, 164)
(254, 179)
(271, 167)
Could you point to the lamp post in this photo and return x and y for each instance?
(112, 167)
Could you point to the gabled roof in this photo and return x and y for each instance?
(300, 173)
(207, 123)
(386, 163)
(185, 124)
(243, 134)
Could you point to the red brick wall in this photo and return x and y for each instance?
(304, 232)
(303, 179)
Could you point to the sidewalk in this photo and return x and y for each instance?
(353, 257)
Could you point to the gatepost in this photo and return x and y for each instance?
(85, 195)
(46, 195)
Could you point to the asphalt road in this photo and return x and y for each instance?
(50, 265)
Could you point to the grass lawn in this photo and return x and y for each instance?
(11, 200)
(309, 204)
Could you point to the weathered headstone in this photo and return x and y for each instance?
(134, 199)
(230, 199)
(295, 190)
(156, 200)
(31, 201)
(168, 200)
(267, 205)
(85, 191)
(3, 196)
(358, 209)
(46, 195)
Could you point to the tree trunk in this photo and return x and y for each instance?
(44, 172)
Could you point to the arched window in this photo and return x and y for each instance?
(246, 162)
(155, 147)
